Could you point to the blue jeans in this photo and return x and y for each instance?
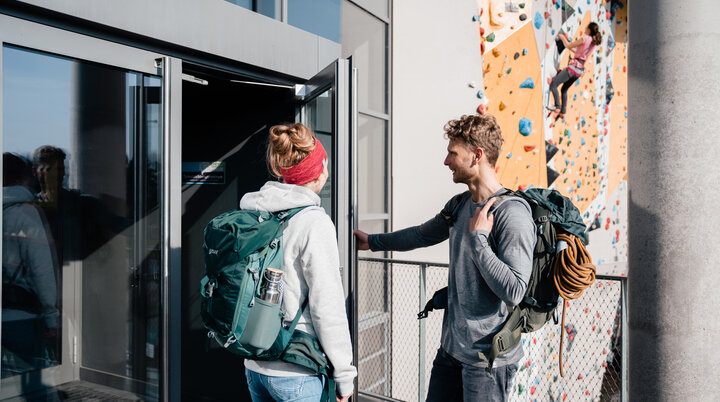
(451, 380)
(265, 388)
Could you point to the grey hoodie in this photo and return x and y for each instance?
(27, 255)
(312, 270)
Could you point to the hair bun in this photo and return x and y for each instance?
(288, 145)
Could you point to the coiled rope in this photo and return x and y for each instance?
(573, 272)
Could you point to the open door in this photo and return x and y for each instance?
(328, 105)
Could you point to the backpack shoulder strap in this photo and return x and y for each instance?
(452, 208)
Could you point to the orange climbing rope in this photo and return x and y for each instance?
(573, 272)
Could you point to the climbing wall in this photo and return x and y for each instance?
(583, 156)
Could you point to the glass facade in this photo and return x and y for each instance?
(365, 38)
(81, 224)
(320, 17)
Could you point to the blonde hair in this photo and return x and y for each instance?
(288, 145)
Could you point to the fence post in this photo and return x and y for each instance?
(421, 341)
(625, 342)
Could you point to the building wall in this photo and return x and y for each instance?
(477, 54)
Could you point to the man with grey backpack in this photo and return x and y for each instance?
(491, 257)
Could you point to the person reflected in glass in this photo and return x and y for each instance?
(29, 294)
(80, 223)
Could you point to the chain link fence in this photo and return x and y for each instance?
(396, 349)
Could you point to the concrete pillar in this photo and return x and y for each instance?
(674, 172)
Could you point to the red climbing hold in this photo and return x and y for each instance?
(482, 47)
(481, 109)
(528, 148)
(547, 46)
(547, 15)
(532, 390)
(580, 377)
(523, 187)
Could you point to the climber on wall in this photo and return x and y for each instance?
(582, 48)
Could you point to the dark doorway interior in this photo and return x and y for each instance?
(222, 121)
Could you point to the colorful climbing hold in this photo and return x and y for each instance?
(525, 126)
(528, 83)
(528, 148)
(516, 56)
(523, 17)
(480, 94)
(538, 20)
(491, 37)
(509, 155)
(476, 18)
(496, 52)
(524, 52)
(501, 106)
(481, 109)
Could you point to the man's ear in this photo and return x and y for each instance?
(478, 154)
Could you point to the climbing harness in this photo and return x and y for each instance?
(573, 272)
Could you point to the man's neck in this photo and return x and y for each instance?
(484, 186)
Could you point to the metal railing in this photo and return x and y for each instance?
(595, 350)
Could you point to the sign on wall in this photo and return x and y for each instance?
(203, 172)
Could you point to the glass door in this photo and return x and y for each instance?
(82, 142)
(328, 105)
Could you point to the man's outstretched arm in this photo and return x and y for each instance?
(429, 233)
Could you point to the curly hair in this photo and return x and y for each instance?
(477, 131)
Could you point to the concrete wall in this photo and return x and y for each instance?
(213, 26)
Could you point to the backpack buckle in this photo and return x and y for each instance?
(282, 215)
(274, 243)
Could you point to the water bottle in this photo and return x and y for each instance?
(271, 286)
(265, 319)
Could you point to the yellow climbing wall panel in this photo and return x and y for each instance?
(522, 159)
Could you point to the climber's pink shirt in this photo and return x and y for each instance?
(583, 51)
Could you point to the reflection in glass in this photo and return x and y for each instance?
(372, 174)
(317, 115)
(364, 38)
(321, 17)
(89, 200)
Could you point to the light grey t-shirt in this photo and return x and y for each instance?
(481, 283)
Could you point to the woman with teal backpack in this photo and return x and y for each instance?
(311, 270)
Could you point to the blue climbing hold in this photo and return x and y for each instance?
(524, 51)
(509, 155)
(552, 32)
(476, 18)
(574, 97)
(582, 141)
(538, 20)
(528, 83)
(611, 43)
(525, 126)
(480, 94)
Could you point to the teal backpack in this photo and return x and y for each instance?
(238, 247)
(552, 215)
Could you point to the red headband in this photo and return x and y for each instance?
(309, 168)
